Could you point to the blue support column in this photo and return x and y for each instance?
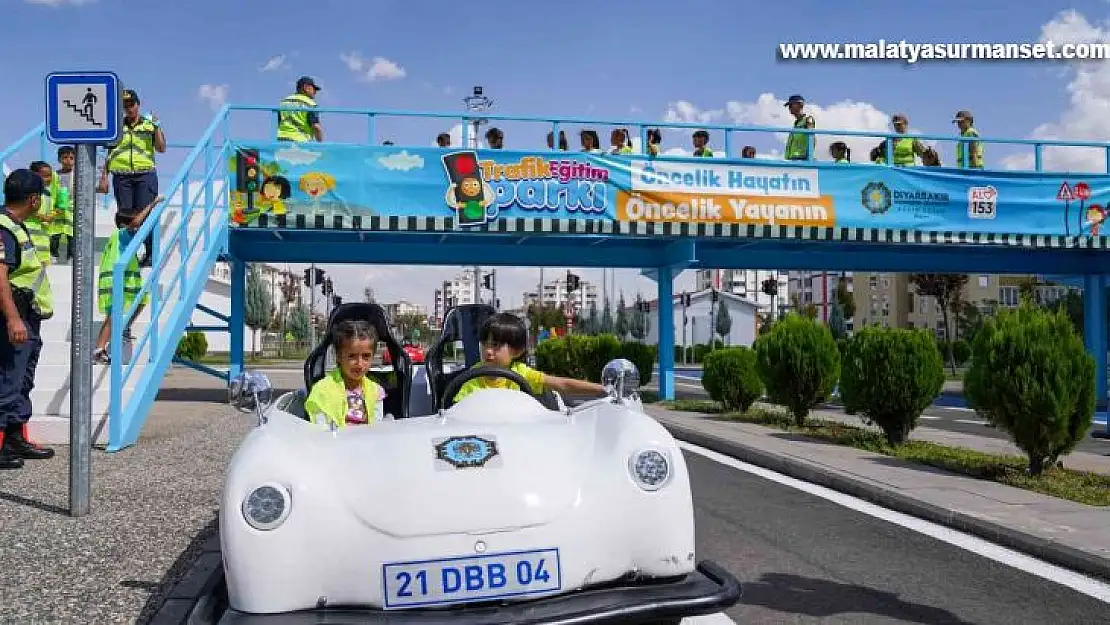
(1094, 333)
(665, 280)
(238, 314)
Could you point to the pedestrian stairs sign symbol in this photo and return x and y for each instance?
(83, 107)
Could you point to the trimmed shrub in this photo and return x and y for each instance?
(1031, 376)
(893, 375)
(551, 357)
(641, 355)
(799, 364)
(193, 346)
(849, 375)
(730, 378)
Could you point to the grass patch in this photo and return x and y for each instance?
(704, 406)
(1079, 486)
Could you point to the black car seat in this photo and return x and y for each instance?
(461, 323)
(396, 384)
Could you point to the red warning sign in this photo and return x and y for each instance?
(1065, 194)
(1082, 191)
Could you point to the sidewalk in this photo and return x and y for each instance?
(1065, 533)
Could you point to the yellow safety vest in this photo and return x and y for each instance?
(39, 230)
(132, 279)
(134, 154)
(530, 375)
(30, 275)
(293, 125)
(797, 144)
(62, 203)
(841, 161)
(903, 152)
(976, 160)
(327, 401)
(706, 153)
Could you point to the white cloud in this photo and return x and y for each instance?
(377, 68)
(402, 161)
(274, 63)
(1087, 117)
(296, 155)
(216, 95)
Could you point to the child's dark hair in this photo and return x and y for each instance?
(64, 150)
(505, 329)
(38, 166)
(344, 332)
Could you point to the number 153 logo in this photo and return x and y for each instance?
(982, 202)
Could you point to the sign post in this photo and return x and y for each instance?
(82, 109)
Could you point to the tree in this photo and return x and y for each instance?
(722, 324)
(298, 322)
(606, 325)
(943, 288)
(844, 298)
(258, 308)
(545, 317)
(638, 324)
(591, 322)
(408, 322)
(621, 325)
(837, 325)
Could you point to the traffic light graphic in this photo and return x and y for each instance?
(248, 173)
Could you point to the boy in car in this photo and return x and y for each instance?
(346, 396)
(504, 343)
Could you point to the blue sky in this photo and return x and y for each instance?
(574, 57)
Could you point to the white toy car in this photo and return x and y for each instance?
(494, 510)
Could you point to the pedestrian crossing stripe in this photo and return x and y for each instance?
(539, 226)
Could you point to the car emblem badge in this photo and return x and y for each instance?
(466, 452)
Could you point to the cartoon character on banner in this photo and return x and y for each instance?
(1082, 193)
(1096, 215)
(469, 195)
(316, 185)
(275, 190)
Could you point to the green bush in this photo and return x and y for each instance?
(641, 355)
(730, 377)
(551, 357)
(1031, 376)
(961, 351)
(849, 375)
(893, 375)
(799, 364)
(581, 357)
(193, 346)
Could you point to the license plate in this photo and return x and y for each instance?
(471, 578)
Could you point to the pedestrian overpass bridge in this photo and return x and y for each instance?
(407, 204)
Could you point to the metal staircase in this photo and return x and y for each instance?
(190, 234)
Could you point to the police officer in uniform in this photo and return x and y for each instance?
(300, 126)
(25, 301)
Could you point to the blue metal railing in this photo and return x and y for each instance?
(197, 251)
(373, 116)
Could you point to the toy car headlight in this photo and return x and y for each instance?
(650, 469)
(267, 506)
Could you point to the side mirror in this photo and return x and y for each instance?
(621, 379)
(251, 391)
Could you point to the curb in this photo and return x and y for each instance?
(1044, 549)
(199, 581)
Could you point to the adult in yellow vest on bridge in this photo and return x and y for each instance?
(25, 301)
(132, 164)
(797, 144)
(973, 159)
(905, 149)
(303, 125)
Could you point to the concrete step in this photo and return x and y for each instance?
(56, 352)
(54, 430)
(59, 327)
(57, 375)
(55, 401)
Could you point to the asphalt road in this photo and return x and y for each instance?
(941, 417)
(803, 559)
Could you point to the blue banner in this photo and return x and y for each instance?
(477, 187)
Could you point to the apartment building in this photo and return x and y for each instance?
(403, 308)
(458, 290)
(555, 294)
(819, 289)
(748, 284)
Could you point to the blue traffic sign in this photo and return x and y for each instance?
(83, 107)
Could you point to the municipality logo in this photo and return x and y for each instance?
(876, 198)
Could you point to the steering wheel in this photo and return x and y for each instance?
(484, 372)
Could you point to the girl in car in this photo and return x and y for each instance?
(504, 342)
(346, 396)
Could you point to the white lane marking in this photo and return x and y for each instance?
(1076, 581)
(710, 619)
(970, 421)
(926, 417)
